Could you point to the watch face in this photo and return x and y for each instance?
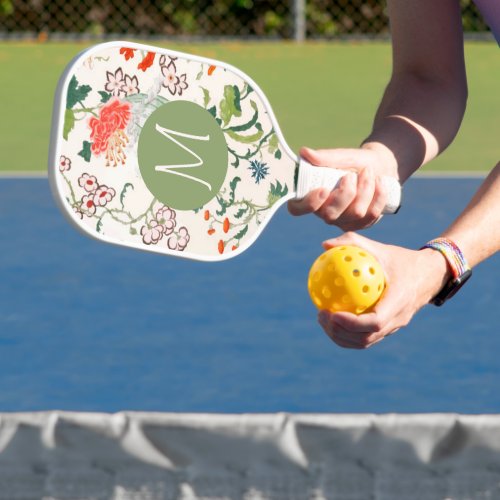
(451, 288)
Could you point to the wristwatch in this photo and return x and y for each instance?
(459, 267)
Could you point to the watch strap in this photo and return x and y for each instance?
(457, 263)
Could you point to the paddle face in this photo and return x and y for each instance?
(166, 152)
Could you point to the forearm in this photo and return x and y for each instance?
(424, 103)
(477, 230)
(416, 121)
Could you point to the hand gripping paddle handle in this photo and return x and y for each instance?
(312, 177)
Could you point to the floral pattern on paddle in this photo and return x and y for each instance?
(109, 96)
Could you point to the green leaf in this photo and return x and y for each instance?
(99, 226)
(239, 214)
(276, 192)
(223, 206)
(230, 105)
(105, 96)
(133, 231)
(212, 111)
(234, 183)
(76, 93)
(69, 123)
(245, 139)
(273, 143)
(206, 97)
(277, 154)
(124, 192)
(86, 152)
(249, 124)
(241, 233)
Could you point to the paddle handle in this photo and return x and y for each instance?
(311, 177)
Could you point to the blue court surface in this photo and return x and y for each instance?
(86, 326)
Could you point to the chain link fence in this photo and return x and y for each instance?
(286, 19)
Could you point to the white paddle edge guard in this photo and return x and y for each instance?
(313, 177)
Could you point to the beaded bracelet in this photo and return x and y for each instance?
(460, 269)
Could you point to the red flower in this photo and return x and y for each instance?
(129, 53)
(147, 61)
(113, 117)
(211, 69)
(225, 226)
(221, 246)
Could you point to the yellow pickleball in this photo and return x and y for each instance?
(346, 278)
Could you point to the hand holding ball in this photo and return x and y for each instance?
(346, 278)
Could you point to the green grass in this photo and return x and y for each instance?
(324, 95)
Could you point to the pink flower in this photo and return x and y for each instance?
(166, 217)
(88, 182)
(152, 233)
(64, 163)
(103, 195)
(179, 240)
(88, 206)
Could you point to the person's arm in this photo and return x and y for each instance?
(414, 277)
(419, 115)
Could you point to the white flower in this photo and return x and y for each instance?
(115, 82)
(64, 163)
(152, 233)
(170, 81)
(130, 85)
(88, 182)
(103, 195)
(88, 206)
(181, 83)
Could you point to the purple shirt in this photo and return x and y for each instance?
(490, 9)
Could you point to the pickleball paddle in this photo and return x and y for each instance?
(172, 153)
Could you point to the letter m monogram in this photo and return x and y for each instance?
(169, 169)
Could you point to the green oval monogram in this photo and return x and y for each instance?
(182, 155)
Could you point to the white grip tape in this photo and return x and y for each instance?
(312, 177)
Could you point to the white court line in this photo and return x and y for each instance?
(23, 175)
(452, 174)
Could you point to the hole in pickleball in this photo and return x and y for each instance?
(372, 271)
(366, 289)
(317, 276)
(339, 281)
(356, 273)
(379, 288)
(348, 258)
(363, 254)
(360, 309)
(327, 293)
(346, 299)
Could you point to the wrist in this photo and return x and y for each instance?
(437, 272)
(388, 165)
(458, 268)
